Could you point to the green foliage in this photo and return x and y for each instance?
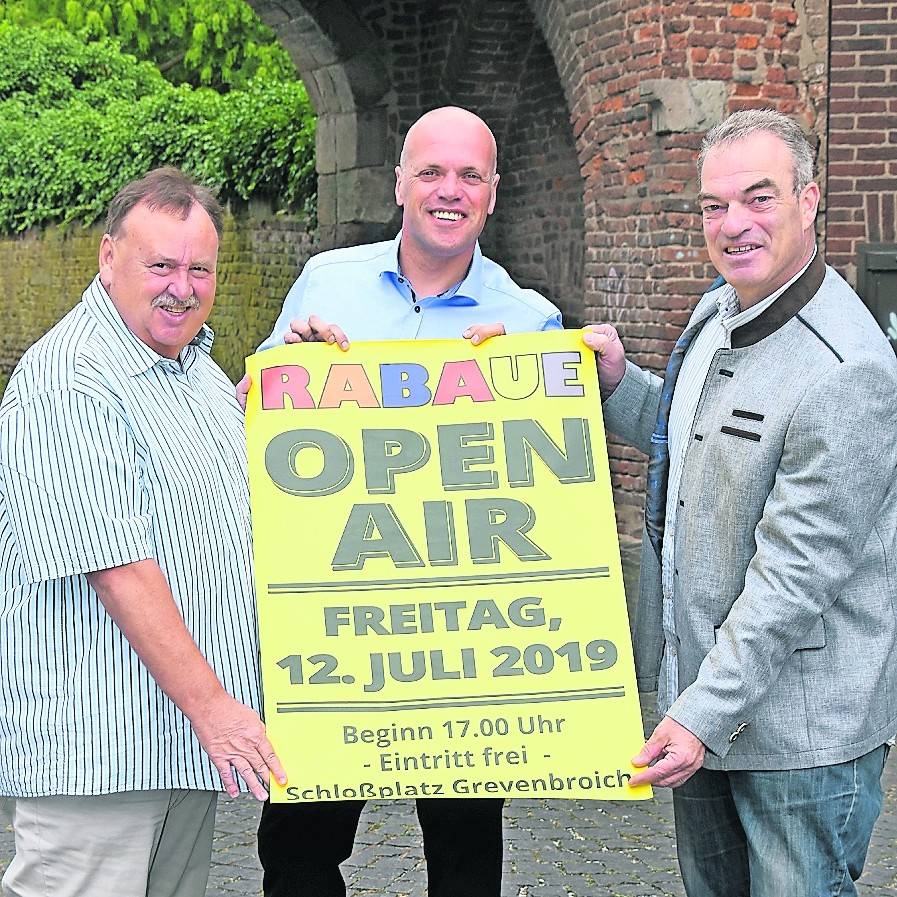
(77, 121)
(217, 43)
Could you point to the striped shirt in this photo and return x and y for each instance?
(716, 334)
(111, 454)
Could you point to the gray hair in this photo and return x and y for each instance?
(749, 121)
(165, 188)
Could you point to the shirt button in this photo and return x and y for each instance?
(417, 308)
(401, 280)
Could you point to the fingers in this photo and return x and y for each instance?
(678, 754)
(300, 332)
(479, 333)
(254, 767)
(666, 773)
(233, 736)
(272, 762)
(257, 786)
(242, 389)
(315, 330)
(322, 332)
(650, 751)
(227, 777)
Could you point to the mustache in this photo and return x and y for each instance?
(175, 303)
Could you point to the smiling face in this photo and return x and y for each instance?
(759, 232)
(159, 271)
(446, 183)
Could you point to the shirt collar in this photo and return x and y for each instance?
(731, 315)
(135, 356)
(469, 289)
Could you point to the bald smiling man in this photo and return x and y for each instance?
(430, 282)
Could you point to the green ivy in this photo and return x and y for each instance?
(217, 43)
(77, 121)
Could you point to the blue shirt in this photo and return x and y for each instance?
(363, 291)
(111, 454)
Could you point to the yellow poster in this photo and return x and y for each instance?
(440, 596)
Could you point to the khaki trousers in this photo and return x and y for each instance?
(132, 844)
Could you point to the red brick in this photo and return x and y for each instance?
(844, 200)
(855, 169)
(744, 26)
(785, 16)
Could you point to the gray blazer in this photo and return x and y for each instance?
(786, 536)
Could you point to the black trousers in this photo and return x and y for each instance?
(302, 845)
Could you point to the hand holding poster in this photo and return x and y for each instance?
(441, 604)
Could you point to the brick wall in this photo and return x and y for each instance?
(644, 82)
(862, 171)
(599, 107)
(43, 273)
(502, 68)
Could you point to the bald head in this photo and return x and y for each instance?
(446, 185)
(438, 124)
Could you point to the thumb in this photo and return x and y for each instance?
(651, 750)
(599, 336)
(242, 389)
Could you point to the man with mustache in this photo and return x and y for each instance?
(430, 282)
(768, 599)
(127, 621)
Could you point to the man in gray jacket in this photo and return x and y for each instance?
(767, 616)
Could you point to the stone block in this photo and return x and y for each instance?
(325, 144)
(680, 105)
(361, 138)
(307, 46)
(271, 13)
(327, 203)
(342, 98)
(365, 195)
(321, 89)
(368, 77)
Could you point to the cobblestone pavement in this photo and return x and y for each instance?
(554, 848)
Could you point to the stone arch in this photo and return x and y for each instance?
(342, 64)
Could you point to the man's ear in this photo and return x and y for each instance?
(495, 179)
(399, 200)
(107, 254)
(809, 204)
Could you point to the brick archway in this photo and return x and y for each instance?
(342, 64)
(372, 68)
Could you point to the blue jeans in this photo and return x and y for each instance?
(782, 833)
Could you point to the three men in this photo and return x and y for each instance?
(432, 281)
(127, 620)
(767, 606)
